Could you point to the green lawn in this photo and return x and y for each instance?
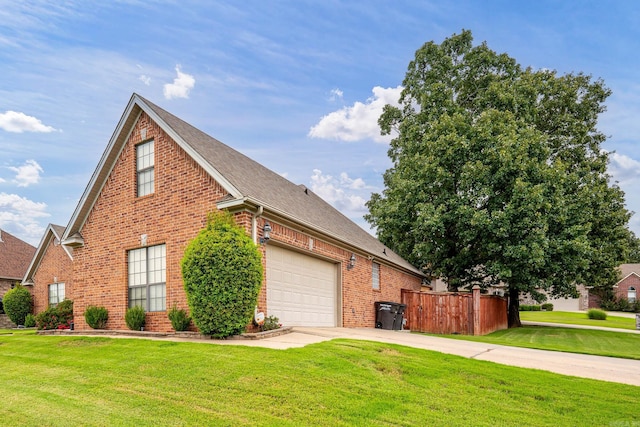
(57, 380)
(586, 341)
(577, 319)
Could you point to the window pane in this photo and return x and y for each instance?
(144, 155)
(137, 267)
(60, 292)
(375, 276)
(145, 182)
(138, 296)
(157, 297)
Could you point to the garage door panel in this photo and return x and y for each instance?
(301, 290)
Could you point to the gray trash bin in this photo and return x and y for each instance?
(397, 323)
(385, 314)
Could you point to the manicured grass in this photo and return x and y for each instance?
(585, 341)
(57, 380)
(577, 319)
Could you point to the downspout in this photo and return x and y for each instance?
(254, 224)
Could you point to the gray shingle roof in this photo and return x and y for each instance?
(256, 182)
(246, 180)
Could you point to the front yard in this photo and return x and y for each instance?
(57, 380)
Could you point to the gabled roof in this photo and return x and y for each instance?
(53, 232)
(628, 270)
(246, 181)
(15, 256)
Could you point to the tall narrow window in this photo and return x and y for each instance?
(144, 167)
(56, 294)
(631, 294)
(147, 278)
(375, 276)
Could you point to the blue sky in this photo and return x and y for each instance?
(297, 86)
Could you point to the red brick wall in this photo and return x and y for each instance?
(55, 265)
(173, 215)
(622, 291)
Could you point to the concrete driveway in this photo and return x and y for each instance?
(596, 367)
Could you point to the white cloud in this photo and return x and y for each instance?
(13, 121)
(181, 85)
(22, 216)
(624, 169)
(359, 121)
(27, 174)
(335, 95)
(146, 80)
(332, 190)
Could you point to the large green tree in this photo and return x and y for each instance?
(499, 176)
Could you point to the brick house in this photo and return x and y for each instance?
(52, 269)
(149, 196)
(15, 256)
(629, 286)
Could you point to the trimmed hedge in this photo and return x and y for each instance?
(222, 274)
(596, 314)
(135, 318)
(96, 317)
(17, 304)
(547, 306)
(525, 307)
(180, 321)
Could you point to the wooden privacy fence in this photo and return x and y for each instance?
(454, 313)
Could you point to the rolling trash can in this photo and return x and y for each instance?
(389, 315)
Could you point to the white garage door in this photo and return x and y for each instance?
(301, 290)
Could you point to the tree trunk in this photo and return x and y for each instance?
(513, 316)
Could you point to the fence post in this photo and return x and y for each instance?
(476, 310)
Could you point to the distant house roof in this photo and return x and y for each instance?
(247, 183)
(15, 256)
(53, 232)
(629, 269)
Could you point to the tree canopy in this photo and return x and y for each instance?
(499, 176)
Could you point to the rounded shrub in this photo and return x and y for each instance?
(135, 318)
(596, 314)
(547, 306)
(222, 274)
(96, 317)
(17, 304)
(179, 319)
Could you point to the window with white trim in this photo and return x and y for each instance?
(375, 276)
(144, 168)
(631, 294)
(56, 294)
(147, 277)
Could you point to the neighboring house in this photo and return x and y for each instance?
(156, 182)
(15, 256)
(51, 271)
(629, 286)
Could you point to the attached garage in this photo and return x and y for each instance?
(301, 290)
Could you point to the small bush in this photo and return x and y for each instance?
(58, 317)
(135, 318)
(179, 319)
(547, 306)
(270, 323)
(30, 321)
(17, 304)
(596, 314)
(96, 317)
